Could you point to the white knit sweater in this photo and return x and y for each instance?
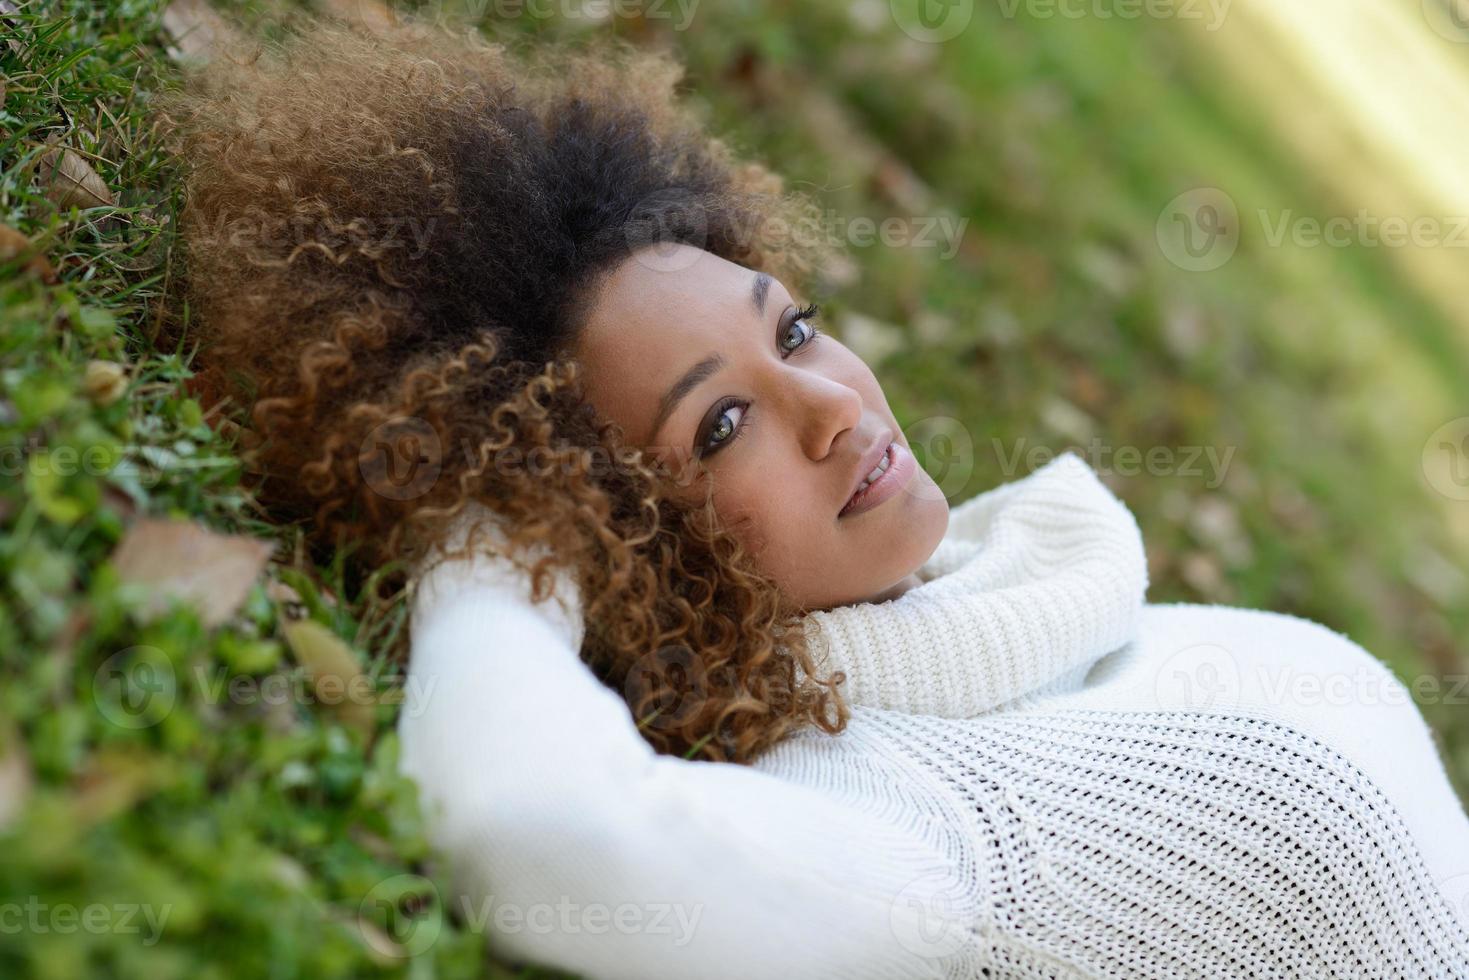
(1043, 777)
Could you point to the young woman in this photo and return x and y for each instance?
(521, 324)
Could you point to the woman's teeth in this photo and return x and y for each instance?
(877, 471)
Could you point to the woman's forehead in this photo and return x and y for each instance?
(649, 323)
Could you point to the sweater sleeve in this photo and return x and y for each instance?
(573, 844)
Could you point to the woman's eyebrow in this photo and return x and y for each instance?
(691, 379)
(696, 375)
(759, 289)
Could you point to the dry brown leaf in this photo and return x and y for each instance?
(382, 948)
(279, 591)
(71, 181)
(15, 775)
(187, 562)
(14, 245)
(114, 780)
(11, 32)
(104, 382)
(340, 685)
(198, 32)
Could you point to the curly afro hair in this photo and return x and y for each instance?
(389, 239)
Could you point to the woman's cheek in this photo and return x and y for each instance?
(739, 509)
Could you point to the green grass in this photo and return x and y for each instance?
(267, 835)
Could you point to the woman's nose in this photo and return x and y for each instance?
(821, 409)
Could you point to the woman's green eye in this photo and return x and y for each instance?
(801, 338)
(724, 431)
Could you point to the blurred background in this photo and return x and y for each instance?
(1216, 246)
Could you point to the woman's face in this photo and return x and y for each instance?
(706, 366)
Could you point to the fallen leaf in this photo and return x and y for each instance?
(64, 648)
(381, 947)
(14, 245)
(1088, 388)
(933, 328)
(104, 381)
(839, 272)
(279, 591)
(336, 674)
(187, 562)
(114, 780)
(1215, 521)
(125, 507)
(12, 29)
(873, 340)
(289, 872)
(897, 182)
(1066, 420)
(15, 775)
(71, 181)
(1202, 573)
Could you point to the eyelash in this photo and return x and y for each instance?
(806, 314)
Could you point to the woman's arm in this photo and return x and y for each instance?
(576, 845)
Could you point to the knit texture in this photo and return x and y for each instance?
(1042, 777)
(1128, 845)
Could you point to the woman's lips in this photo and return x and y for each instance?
(901, 467)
